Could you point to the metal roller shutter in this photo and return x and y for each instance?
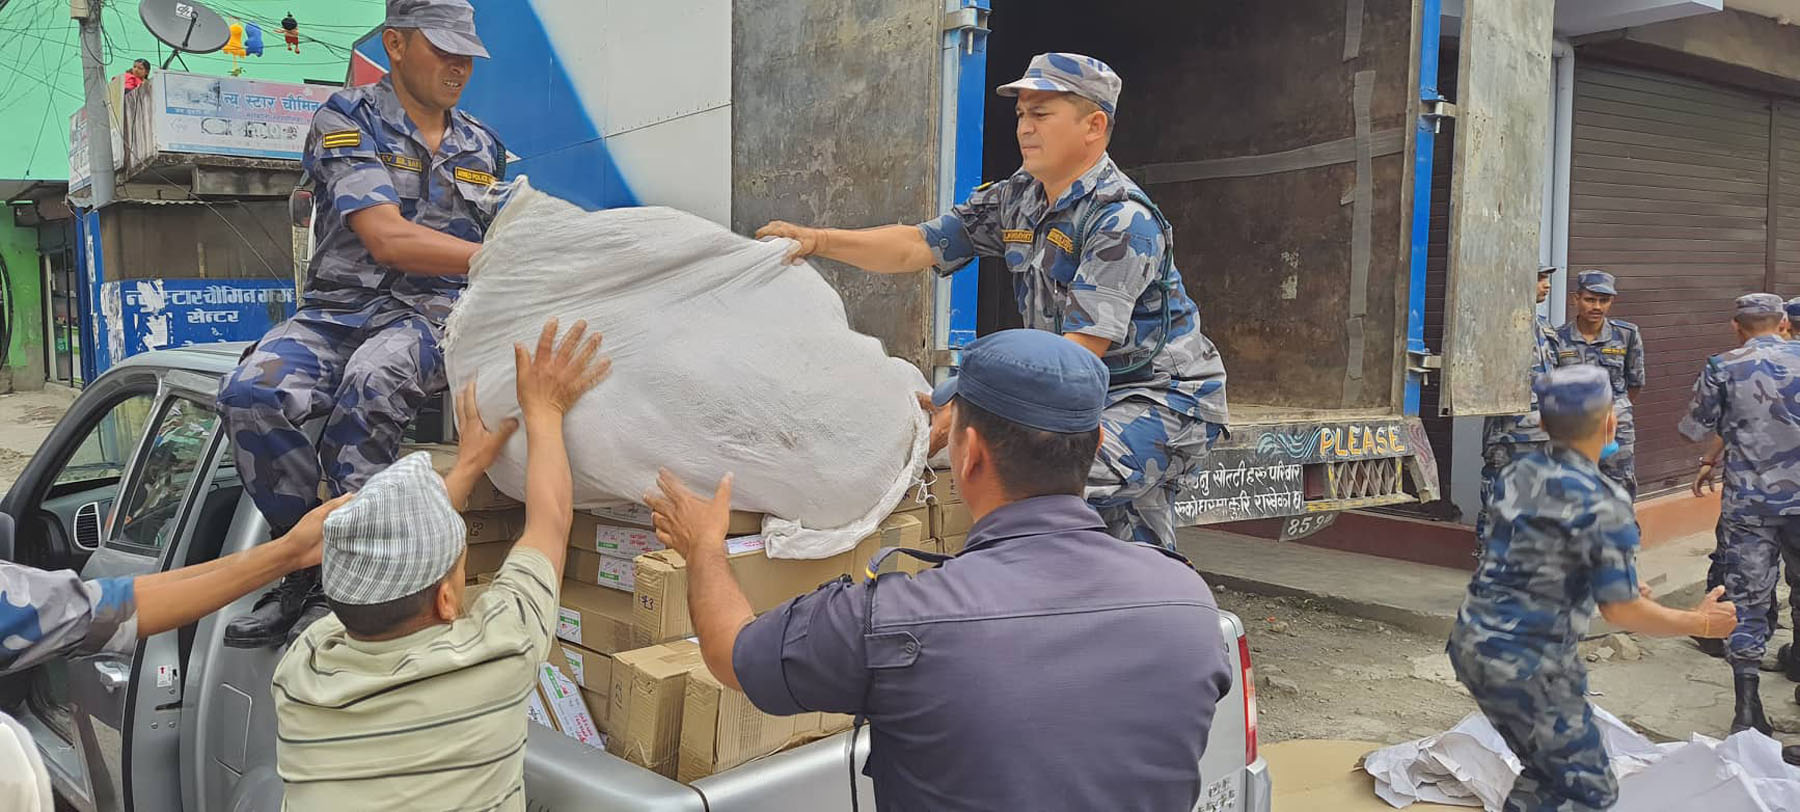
(1670, 192)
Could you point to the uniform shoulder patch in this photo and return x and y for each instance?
(1060, 240)
(341, 139)
(1020, 235)
(984, 186)
(473, 176)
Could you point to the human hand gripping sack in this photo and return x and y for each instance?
(685, 522)
(553, 378)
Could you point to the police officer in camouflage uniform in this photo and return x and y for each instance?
(1563, 542)
(1591, 337)
(1507, 437)
(1747, 396)
(405, 180)
(1092, 259)
(44, 615)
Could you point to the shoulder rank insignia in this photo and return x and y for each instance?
(473, 176)
(341, 139)
(983, 186)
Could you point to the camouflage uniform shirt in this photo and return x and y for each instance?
(363, 151)
(1619, 349)
(1109, 291)
(44, 614)
(1750, 396)
(1525, 428)
(1564, 538)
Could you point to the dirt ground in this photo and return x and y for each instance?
(25, 419)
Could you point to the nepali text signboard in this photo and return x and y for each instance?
(227, 115)
(153, 314)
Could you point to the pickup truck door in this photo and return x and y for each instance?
(126, 708)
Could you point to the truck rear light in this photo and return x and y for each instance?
(1247, 677)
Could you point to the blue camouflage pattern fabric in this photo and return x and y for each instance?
(1111, 290)
(1508, 437)
(1750, 397)
(45, 614)
(1147, 456)
(1564, 539)
(362, 353)
(1618, 349)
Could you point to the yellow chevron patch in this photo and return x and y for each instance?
(1016, 235)
(1060, 240)
(406, 162)
(340, 139)
(473, 176)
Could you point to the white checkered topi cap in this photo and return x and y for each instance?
(398, 536)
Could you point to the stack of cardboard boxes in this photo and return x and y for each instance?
(625, 644)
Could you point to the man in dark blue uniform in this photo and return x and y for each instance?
(404, 197)
(997, 680)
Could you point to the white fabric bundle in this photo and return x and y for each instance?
(725, 359)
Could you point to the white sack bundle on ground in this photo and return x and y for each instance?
(725, 359)
(1470, 765)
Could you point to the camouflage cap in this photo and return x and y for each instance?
(449, 24)
(1083, 76)
(1574, 390)
(1599, 282)
(1760, 304)
(1546, 270)
(1793, 309)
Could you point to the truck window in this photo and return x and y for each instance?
(176, 453)
(102, 454)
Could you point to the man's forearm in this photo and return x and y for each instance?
(460, 482)
(719, 609)
(420, 251)
(549, 488)
(883, 249)
(170, 600)
(1646, 616)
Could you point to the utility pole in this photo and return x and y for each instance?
(99, 122)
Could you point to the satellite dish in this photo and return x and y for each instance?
(185, 26)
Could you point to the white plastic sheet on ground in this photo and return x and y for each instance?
(1470, 765)
(724, 359)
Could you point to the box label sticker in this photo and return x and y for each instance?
(568, 624)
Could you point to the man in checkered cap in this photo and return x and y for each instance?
(400, 699)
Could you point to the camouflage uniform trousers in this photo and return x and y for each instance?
(1146, 452)
(1748, 558)
(1790, 557)
(1621, 467)
(1494, 458)
(1538, 703)
(364, 371)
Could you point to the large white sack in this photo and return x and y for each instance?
(724, 359)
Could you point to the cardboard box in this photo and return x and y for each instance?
(613, 571)
(484, 559)
(743, 522)
(649, 688)
(941, 486)
(537, 710)
(720, 729)
(952, 545)
(595, 535)
(591, 670)
(902, 562)
(599, 705)
(494, 526)
(919, 512)
(660, 611)
(950, 519)
(566, 708)
(484, 496)
(595, 618)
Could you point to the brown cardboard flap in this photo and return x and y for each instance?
(494, 526)
(649, 689)
(595, 618)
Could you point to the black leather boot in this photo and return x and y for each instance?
(1749, 710)
(276, 611)
(1791, 754)
(1789, 667)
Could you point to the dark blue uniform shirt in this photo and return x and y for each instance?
(1049, 666)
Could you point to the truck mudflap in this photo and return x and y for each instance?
(1268, 471)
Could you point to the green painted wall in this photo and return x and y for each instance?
(24, 353)
(40, 66)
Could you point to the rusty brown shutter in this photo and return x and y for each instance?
(1669, 191)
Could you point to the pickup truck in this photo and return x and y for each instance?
(138, 478)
